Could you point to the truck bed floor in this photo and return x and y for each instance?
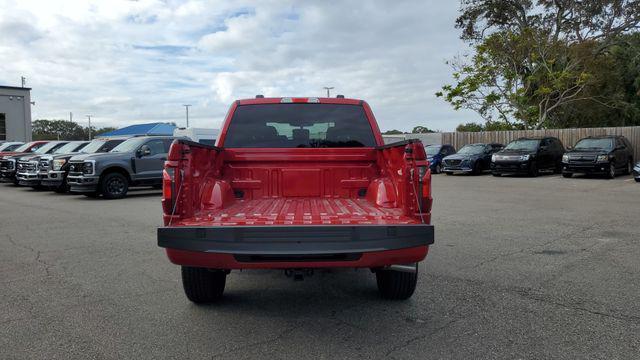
(298, 211)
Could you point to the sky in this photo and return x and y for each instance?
(128, 62)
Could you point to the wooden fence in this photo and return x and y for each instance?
(569, 137)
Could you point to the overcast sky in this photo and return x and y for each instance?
(139, 61)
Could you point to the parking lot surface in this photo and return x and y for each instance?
(521, 268)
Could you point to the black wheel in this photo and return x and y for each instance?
(567, 175)
(114, 186)
(396, 285)
(438, 169)
(62, 188)
(637, 179)
(612, 171)
(496, 174)
(203, 285)
(477, 168)
(629, 168)
(92, 195)
(533, 169)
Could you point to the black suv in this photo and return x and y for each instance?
(528, 156)
(604, 155)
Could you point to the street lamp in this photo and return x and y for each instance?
(186, 107)
(328, 88)
(89, 117)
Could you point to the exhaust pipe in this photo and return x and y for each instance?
(410, 268)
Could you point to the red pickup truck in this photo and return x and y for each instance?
(297, 184)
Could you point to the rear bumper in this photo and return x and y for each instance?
(595, 168)
(296, 246)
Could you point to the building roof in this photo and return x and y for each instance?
(14, 87)
(142, 129)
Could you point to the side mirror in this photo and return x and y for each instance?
(143, 151)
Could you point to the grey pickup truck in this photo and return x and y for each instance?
(137, 161)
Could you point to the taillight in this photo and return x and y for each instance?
(168, 190)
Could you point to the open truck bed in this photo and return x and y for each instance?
(297, 184)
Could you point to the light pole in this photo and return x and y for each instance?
(328, 88)
(89, 117)
(186, 107)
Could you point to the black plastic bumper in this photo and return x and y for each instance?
(602, 168)
(299, 240)
(521, 167)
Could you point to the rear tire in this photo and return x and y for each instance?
(438, 169)
(629, 168)
(203, 285)
(477, 168)
(114, 186)
(396, 285)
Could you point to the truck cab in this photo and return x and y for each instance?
(297, 184)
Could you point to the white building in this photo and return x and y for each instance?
(15, 113)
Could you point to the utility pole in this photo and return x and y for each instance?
(70, 116)
(89, 117)
(328, 88)
(24, 80)
(186, 107)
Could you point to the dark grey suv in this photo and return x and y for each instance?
(137, 161)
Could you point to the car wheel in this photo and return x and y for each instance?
(438, 169)
(396, 285)
(477, 168)
(612, 171)
(62, 188)
(637, 180)
(203, 285)
(533, 169)
(114, 186)
(629, 169)
(567, 175)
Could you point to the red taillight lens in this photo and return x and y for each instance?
(168, 190)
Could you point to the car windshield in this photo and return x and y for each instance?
(93, 146)
(129, 145)
(68, 148)
(46, 148)
(299, 126)
(9, 147)
(432, 149)
(472, 149)
(594, 144)
(23, 147)
(525, 144)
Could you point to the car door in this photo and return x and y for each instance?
(544, 154)
(149, 160)
(620, 153)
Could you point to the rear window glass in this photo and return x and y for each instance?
(299, 126)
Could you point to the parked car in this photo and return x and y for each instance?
(297, 186)
(603, 155)
(29, 167)
(528, 156)
(8, 160)
(135, 162)
(10, 146)
(55, 168)
(636, 172)
(435, 154)
(471, 158)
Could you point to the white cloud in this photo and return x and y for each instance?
(135, 61)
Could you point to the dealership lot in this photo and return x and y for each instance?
(522, 268)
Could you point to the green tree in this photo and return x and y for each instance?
(421, 130)
(392, 132)
(534, 60)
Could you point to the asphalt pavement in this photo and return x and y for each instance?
(521, 269)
